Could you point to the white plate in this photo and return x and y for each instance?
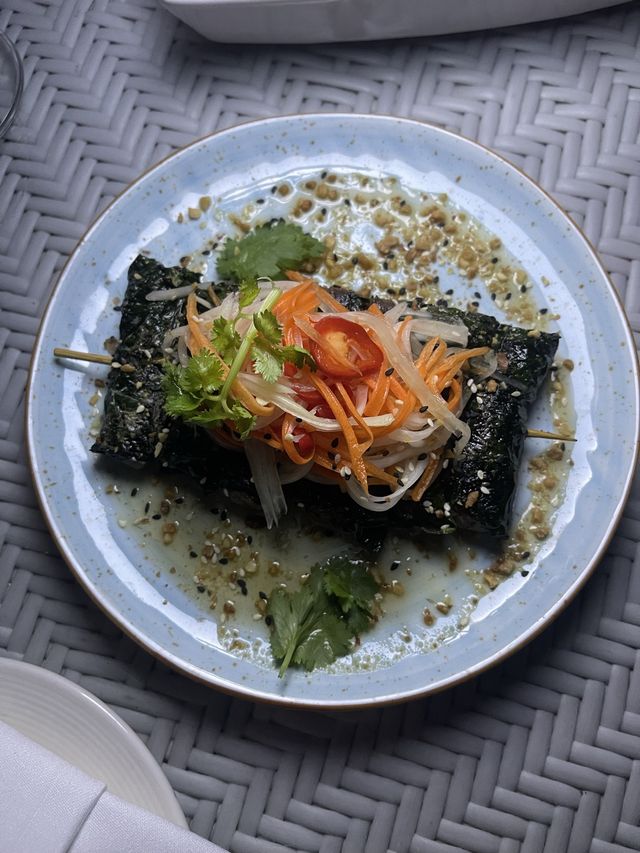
(69, 721)
(304, 21)
(131, 581)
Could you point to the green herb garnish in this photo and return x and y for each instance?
(198, 392)
(267, 251)
(318, 623)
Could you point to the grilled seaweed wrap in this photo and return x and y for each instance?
(134, 416)
(474, 493)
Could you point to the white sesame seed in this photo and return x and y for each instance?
(485, 490)
(140, 409)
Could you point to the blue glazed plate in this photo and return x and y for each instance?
(150, 595)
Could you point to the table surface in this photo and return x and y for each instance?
(541, 753)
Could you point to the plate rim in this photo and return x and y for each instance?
(84, 698)
(246, 692)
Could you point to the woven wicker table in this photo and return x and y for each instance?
(543, 752)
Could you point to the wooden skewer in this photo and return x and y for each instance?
(61, 352)
(554, 436)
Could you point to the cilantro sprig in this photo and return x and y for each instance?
(268, 250)
(319, 622)
(201, 391)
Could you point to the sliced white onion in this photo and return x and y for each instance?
(406, 369)
(290, 472)
(381, 504)
(170, 294)
(183, 352)
(262, 461)
(483, 366)
(280, 395)
(425, 327)
(393, 315)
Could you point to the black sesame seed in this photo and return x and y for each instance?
(449, 292)
(494, 260)
(335, 442)
(422, 457)
(436, 279)
(268, 620)
(508, 296)
(354, 261)
(445, 242)
(134, 491)
(324, 175)
(477, 295)
(347, 201)
(442, 303)
(259, 201)
(525, 555)
(394, 565)
(298, 420)
(323, 211)
(493, 297)
(543, 310)
(147, 507)
(273, 189)
(223, 561)
(524, 573)
(206, 252)
(263, 596)
(423, 409)
(249, 539)
(385, 265)
(156, 517)
(193, 554)
(523, 288)
(243, 585)
(224, 515)
(200, 588)
(388, 371)
(267, 436)
(179, 500)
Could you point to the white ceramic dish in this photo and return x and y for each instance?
(311, 21)
(67, 720)
(128, 581)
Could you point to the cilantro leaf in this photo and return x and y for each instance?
(298, 356)
(187, 388)
(325, 640)
(267, 362)
(350, 582)
(267, 251)
(194, 393)
(268, 326)
(248, 291)
(243, 419)
(225, 338)
(306, 630)
(318, 623)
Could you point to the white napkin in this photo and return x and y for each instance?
(49, 806)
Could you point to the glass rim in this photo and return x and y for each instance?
(15, 59)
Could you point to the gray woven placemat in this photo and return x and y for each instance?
(543, 752)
